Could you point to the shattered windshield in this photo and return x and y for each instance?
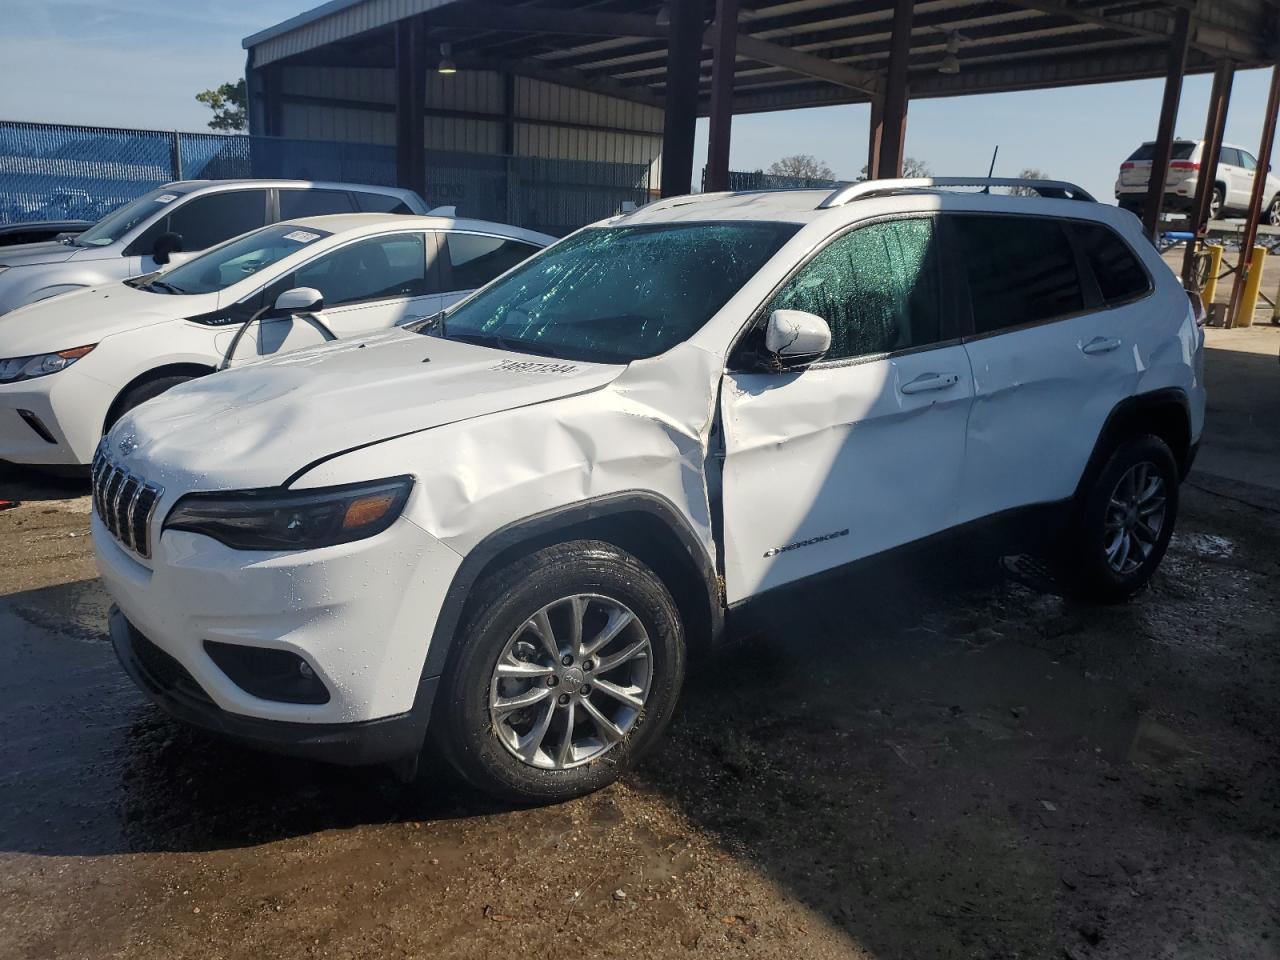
(617, 294)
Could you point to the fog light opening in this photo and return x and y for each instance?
(36, 424)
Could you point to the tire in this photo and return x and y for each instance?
(473, 724)
(1102, 565)
(1273, 212)
(140, 394)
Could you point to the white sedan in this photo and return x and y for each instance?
(72, 365)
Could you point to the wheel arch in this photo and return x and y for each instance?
(175, 369)
(1165, 413)
(644, 524)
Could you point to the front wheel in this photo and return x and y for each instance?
(570, 664)
(1124, 521)
(1273, 212)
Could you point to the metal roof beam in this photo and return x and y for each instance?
(808, 65)
(590, 23)
(1213, 38)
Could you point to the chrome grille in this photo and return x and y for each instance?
(125, 503)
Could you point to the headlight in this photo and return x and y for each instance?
(28, 368)
(276, 519)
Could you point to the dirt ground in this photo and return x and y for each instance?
(928, 761)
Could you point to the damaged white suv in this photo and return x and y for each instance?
(513, 525)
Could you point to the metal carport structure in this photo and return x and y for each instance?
(718, 58)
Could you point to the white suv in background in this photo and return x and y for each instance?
(72, 365)
(1232, 189)
(173, 222)
(514, 525)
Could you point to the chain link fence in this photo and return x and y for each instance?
(759, 180)
(55, 172)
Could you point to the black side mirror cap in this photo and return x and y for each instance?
(165, 246)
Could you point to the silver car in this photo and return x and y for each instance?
(174, 222)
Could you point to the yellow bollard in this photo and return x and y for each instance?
(1211, 283)
(1252, 284)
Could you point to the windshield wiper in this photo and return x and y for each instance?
(165, 287)
(504, 343)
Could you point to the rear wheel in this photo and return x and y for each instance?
(1124, 521)
(1273, 212)
(570, 664)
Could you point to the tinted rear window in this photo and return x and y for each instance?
(1119, 274)
(380, 203)
(1182, 150)
(1020, 270)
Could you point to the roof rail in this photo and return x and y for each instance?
(1051, 189)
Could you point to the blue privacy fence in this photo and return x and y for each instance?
(50, 171)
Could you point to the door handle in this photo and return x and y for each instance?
(1100, 345)
(930, 381)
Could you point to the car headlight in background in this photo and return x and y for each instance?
(14, 369)
(276, 519)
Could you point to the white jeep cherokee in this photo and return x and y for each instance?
(518, 521)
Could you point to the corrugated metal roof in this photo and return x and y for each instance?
(1002, 44)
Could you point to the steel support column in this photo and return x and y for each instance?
(1214, 125)
(893, 130)
(1176, 66)
(411, 104)
(1256, 199)
(723, 63)
(680, 114)
(875, 134)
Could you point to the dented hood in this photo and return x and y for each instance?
(260, 424)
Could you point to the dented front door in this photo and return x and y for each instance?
(863, 451)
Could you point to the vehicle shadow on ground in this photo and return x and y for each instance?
(27, 484)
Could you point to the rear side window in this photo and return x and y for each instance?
(1182, 150)
(877, 287)
(475, 260)
(1118, 271)
(207, 220)
(1230, 156)
(1020, 270)
(313, 203)
(380, 203)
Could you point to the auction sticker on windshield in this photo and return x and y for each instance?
(302, 236)
(166, 198)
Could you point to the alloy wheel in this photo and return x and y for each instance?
(1135, 516)
(571, 682)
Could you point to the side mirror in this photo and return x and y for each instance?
(166, 244)
(793, 339)
(297, 300)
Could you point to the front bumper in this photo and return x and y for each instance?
(69, 406)
(168, 683)
(359, 614)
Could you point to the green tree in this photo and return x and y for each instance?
(230, 106)
(801, 165)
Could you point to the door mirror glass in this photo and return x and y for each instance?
(165, 246)
(795, 338)
(297, 300)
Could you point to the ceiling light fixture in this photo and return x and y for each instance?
(951, 63)
(446, 66)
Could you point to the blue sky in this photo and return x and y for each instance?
(141, 62)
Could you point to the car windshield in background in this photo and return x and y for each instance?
(119, 222)
(617, 294)
(233, 261)
(1182, 150)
